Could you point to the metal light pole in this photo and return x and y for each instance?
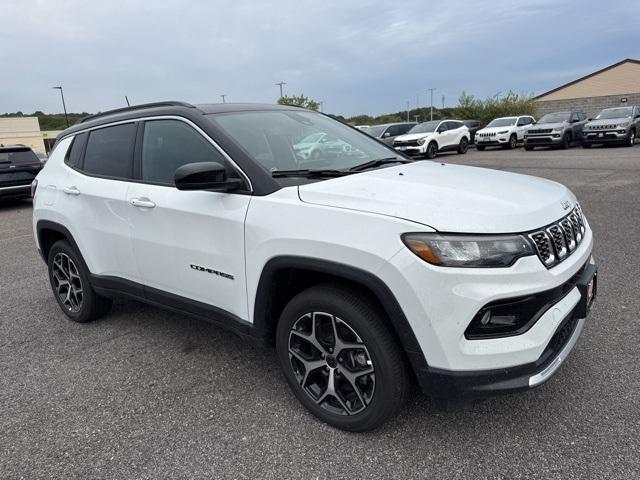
(431, 91)
(407, 110)
(280, 84)
(321, 106)
(127, 100)
(64, 107)
(223, 95)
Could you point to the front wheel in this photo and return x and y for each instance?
(340, 359)
(566, 141)
(463, 146)
(513, 142)
(70, 284)
(432, 151)
(631, 139)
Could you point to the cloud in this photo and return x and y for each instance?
(356, 56)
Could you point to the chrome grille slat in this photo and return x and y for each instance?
(558, 241)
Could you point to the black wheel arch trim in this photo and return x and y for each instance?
(380, 290)
(43, 225)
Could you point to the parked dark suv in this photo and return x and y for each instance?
(19, 166)
(559, 129)
(618, 125)
(389, 131)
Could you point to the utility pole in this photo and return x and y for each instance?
(431, 91)
(280, 84)
(407, 110)
(443, 101)
(321, 106)
(127, 100)
(64, 107)
(223, 97)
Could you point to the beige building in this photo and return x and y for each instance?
(24, 130)
(614, 86)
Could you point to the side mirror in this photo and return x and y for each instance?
(589, 119)
(205, 176)
(386, 134)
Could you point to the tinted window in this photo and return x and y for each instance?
(74, 154)
(169, 144)
(110, 151)
(395, 130)
(18, 155)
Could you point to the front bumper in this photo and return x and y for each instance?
(412, 150)
(543, 140)
(602, 137)
(492, 140)
(454, 384)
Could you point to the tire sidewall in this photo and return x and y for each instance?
(432, 150)
(384, 391)
(463, 146)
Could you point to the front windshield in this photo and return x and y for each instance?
(503, 122)
(555, 117)
(293, 140)
(425, 127)
(376, 130)
(609, 113)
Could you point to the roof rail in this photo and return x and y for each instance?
(136, 107)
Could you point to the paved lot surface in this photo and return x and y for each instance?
(148, 394)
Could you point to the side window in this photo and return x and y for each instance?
(402, 129)
(575, 117)
(523, 121)
(74, 154)
(443, 127)
(169, 144)
(110, 151)
(393, 131)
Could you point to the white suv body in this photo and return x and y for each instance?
(256, 254)
(506, 132)
(429, 138)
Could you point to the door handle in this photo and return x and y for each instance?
(71, 190)
(142, 203)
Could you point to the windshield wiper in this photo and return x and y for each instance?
(310, 173)
(378, 163)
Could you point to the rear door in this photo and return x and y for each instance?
(522, 125)
(186, 243)
(93, 198)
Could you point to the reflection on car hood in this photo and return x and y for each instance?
(547, 125)
(494, 129)
(609, 121)
(448, 198)
(407, 137)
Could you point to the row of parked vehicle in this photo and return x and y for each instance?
(618, 125)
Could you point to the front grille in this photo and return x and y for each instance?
(559, 240)
(491, 134)
(611, 126)
(406, 143)
(539, 131)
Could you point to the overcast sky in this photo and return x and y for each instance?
(358, 56)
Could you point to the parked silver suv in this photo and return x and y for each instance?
(618, 125)
(558, 129)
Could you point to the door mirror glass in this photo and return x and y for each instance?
(205, 176)
(386, 134)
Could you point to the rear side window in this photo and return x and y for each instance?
(109, 151)
(169, 144)
(402, 129)
(74, 154)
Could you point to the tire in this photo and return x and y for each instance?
(463, 146)
(432, 151)
(528, 148)
(79, 302)
(513, 142)
(480, 147)
(380, 393)
(631, 139)
(566, 141)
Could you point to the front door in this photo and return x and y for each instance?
(186, 243)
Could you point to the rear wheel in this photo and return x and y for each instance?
(340, 359)
(432, 150)
(70, 284)
(463, 146)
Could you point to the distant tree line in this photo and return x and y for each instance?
(49, 121)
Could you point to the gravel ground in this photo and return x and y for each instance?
(145, 393)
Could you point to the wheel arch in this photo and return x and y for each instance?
(299, 273)
(49, 232)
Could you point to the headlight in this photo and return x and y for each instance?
(623, 125)
(421, 141)
(468, 250)
(503, 132)
(557, 130)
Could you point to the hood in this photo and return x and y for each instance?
(547, 125)
(413, 136)
(495, 129)
(448, 198)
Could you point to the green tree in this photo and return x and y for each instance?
(299, 100)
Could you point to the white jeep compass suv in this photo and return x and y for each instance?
(364, 268)
(505, 132)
